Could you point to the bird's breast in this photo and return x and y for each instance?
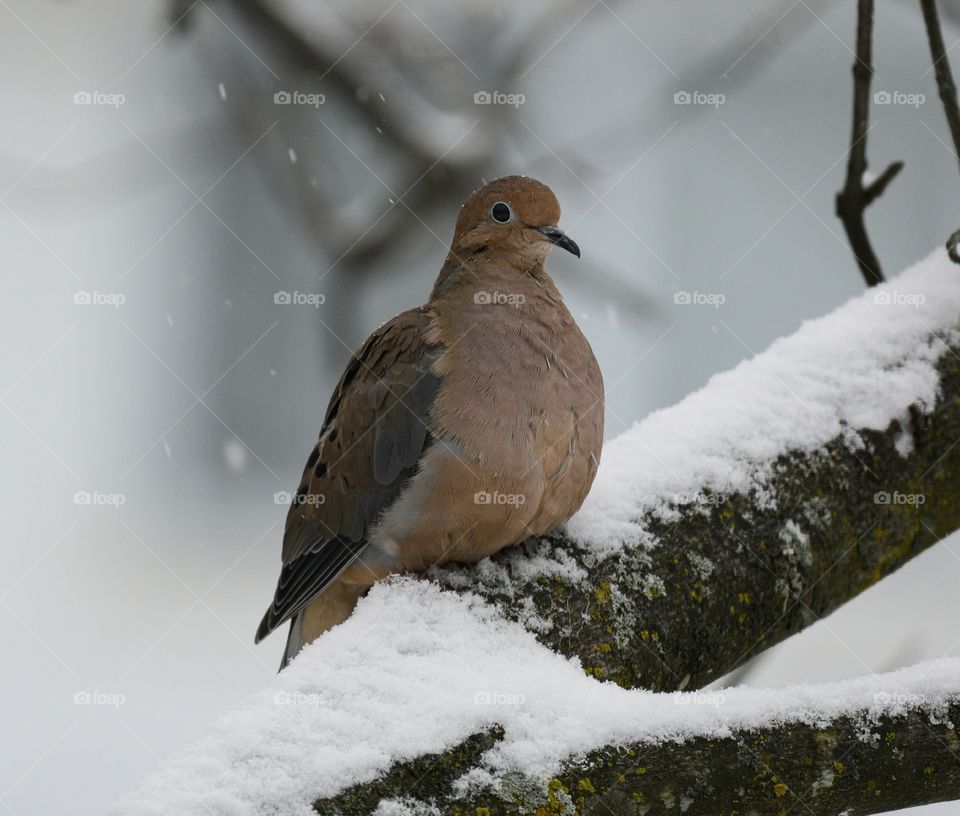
(518, 424)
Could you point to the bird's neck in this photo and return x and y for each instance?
(495, 300)
(467, 270)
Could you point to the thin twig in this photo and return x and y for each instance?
(854, 198)
(948, 92)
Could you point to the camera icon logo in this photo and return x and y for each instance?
(682, 298)
(282, 298)
(282, 98)
(882, 98)
(482, 98)
(682, 98)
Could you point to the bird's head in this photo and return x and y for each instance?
(513, 215)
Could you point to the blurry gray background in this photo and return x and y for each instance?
(157, 194)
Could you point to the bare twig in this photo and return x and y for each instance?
(948, 92)
(854, 198)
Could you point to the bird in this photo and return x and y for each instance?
(463, 426)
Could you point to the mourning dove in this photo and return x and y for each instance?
(459, 428)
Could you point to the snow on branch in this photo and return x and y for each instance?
(715, 529)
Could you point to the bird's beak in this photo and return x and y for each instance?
(559, 238)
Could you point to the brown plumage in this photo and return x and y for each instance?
(459, 428)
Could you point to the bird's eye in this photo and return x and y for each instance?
(501, 212)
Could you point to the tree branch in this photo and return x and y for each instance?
(948, 93)
(853, 199)
(851, 764)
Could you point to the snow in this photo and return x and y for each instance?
(857, 368)
(417, 669)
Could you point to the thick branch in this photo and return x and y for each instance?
(854, 765)
(853, 199)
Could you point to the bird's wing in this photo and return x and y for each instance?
(376, 428)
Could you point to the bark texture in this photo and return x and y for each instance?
(851, 765)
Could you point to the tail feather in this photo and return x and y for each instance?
(293, 640)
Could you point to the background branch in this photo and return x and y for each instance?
(853, 199)
(948, 93)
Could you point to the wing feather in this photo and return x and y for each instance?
(376, 428)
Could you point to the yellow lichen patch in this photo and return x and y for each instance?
(839, 768)
(586, 785)
(780, 790)
(928, 770)
(743, 597)
(602, 592)
(484, 811)
(557, 798)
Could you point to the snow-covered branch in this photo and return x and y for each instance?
(805, 749)
(715, 529)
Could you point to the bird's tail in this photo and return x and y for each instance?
(293, 640)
